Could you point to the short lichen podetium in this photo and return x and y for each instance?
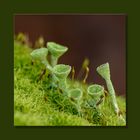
(56, 51)
(41, 55)
(104, 71)
(76, 95)
(96, 92)
(61, 72)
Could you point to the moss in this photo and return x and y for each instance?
(43, 104)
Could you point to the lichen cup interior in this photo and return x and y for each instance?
(104, 70)
(61, 71)
(40, 54)
(55, 49)
(75, 94)
(95, 90)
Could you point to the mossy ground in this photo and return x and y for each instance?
(41, 104)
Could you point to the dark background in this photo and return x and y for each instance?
(100, 38)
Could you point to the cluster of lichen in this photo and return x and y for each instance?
(59, 73)
(90, 102)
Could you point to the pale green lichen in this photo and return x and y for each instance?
(45, 104)
(96, 92)
(41, 55)
(76, 95)
(56, 51)
(61, 72)
(104, 71)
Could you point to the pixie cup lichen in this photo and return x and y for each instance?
(41, 55)
(56, 51)
(61, 72)
(76, 95)
(104, 71)
(95, 91)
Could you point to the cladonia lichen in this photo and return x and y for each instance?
(60, 72)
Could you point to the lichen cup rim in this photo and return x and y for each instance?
(104, 70)
(56, 49)
(60, 72)
(103, 65)
(78, 96)
(95, 92)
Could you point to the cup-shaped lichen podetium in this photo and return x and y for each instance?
(41, 55)
(96, 92)
(61, 72)
(75, 94)
(104, 71)
(56, 51)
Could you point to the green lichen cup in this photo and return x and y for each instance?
(95, 91)
(61, 72)
(104, 70)
(75, 94)
(56, 51)
(40, 54)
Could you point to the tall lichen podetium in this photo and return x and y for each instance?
(104, 71)
(56, 51)
(61, 72)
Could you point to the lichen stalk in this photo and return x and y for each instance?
(112, 95)
(54, 60)
(104, 71)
